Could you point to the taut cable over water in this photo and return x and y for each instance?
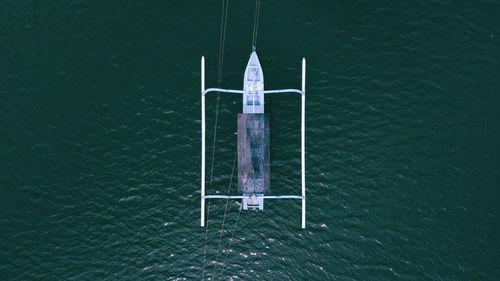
(255, 24)
(225, 212)
(222, 40)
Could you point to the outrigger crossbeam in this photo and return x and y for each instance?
(263, 196)
(248, 92)
(252, 198)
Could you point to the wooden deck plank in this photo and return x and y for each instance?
(253, 153)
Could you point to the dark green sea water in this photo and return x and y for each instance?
(100, 140)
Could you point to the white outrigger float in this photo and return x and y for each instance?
(253, 140)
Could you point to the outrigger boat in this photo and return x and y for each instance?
(253, 140)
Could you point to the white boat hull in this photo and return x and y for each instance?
(253, 82)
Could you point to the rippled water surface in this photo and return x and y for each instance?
(100, 140)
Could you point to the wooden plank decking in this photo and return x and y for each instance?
(253, 153)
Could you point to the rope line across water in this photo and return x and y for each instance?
(230, 242)
(222, 40)
(225, 212)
